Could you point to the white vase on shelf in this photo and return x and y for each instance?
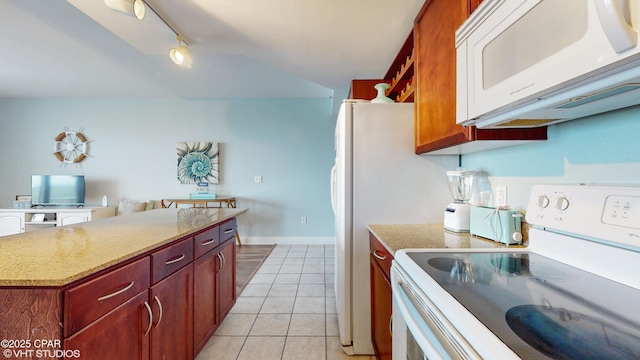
(381, 98)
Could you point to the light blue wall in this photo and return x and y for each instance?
(289, 142)
(602, 149)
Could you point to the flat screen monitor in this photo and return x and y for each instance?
(57, 190)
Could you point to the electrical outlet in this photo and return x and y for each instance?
(501, 196)
(303, 220)
(257, 179)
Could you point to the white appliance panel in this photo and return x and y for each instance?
(514, 72)
(379, 180)
(342, 193)
(572, 293)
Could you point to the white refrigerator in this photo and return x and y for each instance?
(377, 179)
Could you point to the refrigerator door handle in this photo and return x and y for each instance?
(333, 189)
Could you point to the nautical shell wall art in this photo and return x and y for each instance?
(198, 162)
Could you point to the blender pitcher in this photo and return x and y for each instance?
(456, 215)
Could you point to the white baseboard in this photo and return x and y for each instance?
(288, 240)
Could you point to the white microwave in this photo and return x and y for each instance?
(529, 63)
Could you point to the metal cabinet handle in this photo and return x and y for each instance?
(224, 261)
(221, 261)
(169, 262)
(391, 325)
(228, 231)
(101, 299)
(146, 304)
(159, 307)
(208, 242)
(375, 254)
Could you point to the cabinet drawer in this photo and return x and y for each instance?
(228, 230)
(206, 241)
(166, 262)
(381, 254)
(87, 302)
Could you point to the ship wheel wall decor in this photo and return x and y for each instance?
(71, 147)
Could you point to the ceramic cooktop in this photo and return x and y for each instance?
(532, 302)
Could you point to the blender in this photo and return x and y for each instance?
(456, 215)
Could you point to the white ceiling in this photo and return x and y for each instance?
(241, 48)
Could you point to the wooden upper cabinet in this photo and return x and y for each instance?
(473, 4)
(399, 77)
(434, 42)
(363, 89)
(401, 72)
(436, 130)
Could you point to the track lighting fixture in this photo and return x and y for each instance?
(181, 55)
(135, 8)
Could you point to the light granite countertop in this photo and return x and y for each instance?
(60, 255)
(410, 236)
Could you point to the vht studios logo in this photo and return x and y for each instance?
(41, 353)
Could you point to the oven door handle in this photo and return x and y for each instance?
(437, 337)
(414, 321)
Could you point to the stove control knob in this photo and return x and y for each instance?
(562, 203)
(543, 201)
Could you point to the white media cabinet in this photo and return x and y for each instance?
(15, 221)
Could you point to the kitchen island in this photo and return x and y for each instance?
(120, 287)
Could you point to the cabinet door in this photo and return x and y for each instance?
(72, 218)
(435, 74)
(226, 278)
(172, 302)
(205, 319)
(11, 223)
(121, 334)
(380, 311)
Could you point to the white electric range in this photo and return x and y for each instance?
(573, 293)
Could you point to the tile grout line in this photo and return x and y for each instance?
(312, 261)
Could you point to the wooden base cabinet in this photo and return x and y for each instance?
(205, 289)
(381, 299)
(121, 334)
(227, 278)
(159, 305)
(172, 301)
(214, 286)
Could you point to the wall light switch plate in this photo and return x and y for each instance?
(257, 179)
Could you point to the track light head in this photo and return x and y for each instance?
(135, 8)
(181, 55)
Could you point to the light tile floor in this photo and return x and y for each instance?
(287, 311)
